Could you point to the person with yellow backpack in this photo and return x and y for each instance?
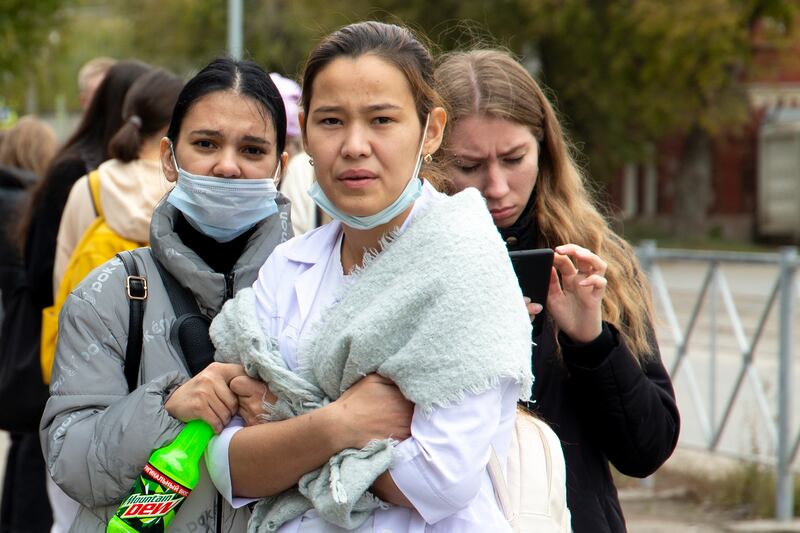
(109, 210)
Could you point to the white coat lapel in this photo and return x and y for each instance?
(314, 250)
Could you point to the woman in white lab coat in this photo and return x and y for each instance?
(371, 118)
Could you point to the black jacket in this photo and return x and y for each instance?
(605, 408)
(40, 242)
(13, 185)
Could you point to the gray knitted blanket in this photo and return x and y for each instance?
(438, 311)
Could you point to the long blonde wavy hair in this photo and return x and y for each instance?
(492, 83)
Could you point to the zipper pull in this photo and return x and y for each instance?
(228, 286)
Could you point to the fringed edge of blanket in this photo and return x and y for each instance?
(523, 379)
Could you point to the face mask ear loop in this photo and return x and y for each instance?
(424, 136)
(174, 159)
(277, 171)
(418, 165)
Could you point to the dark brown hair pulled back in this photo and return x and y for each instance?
(146, 111)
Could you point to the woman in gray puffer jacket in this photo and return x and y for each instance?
(211, 233)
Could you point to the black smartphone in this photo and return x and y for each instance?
(533, 268)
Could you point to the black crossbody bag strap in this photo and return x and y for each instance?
(136, 289)
(189, 333)
(183, 302)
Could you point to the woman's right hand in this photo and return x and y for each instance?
(373, 408)
(207, 396)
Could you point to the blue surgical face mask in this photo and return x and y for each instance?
(223, 208)
(406, 198)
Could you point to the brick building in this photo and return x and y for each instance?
(753, 170)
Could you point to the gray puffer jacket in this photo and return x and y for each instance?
(96, 436)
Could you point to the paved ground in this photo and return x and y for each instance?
(680, 503)
(647, 513)
(654, 514)
(672, 506)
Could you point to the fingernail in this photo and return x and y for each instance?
(537, 308)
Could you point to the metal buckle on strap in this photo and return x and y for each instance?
(140, 288)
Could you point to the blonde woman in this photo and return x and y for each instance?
(600, 382)
(29, 146)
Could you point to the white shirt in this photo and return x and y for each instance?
(294, 185)
(441, 468)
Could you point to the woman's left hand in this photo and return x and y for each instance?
(251, 393)
(576, 302)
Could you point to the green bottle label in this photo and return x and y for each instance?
(152, 502)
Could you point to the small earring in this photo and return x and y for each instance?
(311, 161)
(428, 158)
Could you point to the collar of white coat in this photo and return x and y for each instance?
(315, 246)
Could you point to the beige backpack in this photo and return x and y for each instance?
(533, 494)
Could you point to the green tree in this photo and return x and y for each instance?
(24, 27)
(629, 73)
(624, 74)
(28, 31)
(187, 34)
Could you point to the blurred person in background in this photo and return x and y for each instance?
(290, 94)
(90, 76)
(82, 152)
(131, 183)
(299, 174)
(25, 152)
(29, 146)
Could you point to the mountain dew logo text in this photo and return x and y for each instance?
(152, 502)
(150, 506)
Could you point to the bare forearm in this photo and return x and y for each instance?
(386, 489)
(267, 459)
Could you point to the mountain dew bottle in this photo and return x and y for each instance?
(166, 481)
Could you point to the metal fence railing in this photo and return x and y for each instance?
(704, 313)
